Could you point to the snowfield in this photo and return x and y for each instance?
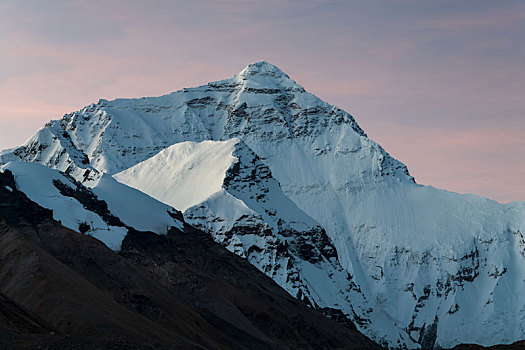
(295, 186)
(133, 208)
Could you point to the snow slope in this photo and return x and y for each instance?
(435, 268)
(204, 166)
(108, 210)
(225, 189)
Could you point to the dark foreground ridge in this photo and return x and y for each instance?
(62, 289)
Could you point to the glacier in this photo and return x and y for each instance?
(294, 185)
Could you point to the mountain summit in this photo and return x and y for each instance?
(262, 69)
(295, 186)
(265, 75)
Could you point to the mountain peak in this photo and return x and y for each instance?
(262, 68)
(265, 75)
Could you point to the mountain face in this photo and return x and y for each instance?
(178, 289)
(108, 211)
(224, 188)
(296, 187)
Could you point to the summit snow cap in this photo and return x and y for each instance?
(265, 75)
(263, 68)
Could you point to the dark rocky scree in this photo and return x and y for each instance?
(182, 290)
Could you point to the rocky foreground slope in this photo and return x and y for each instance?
(410, 265)
(63, 289)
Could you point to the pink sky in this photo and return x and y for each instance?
(440, 85)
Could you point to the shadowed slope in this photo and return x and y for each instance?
(181, 290)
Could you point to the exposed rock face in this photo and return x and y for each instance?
(63, 289)
(247, 212)
(417, 266)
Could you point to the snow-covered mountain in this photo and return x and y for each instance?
(107, 211)
(225, 189)
(266, 166)
(63, 289)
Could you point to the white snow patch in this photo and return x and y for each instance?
(36, 181)
(134, 208)
(184, 174)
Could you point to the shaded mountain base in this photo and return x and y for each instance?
(56, 341)
(15, 320)
(517, 346)
(232, 295)
(63, 289)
